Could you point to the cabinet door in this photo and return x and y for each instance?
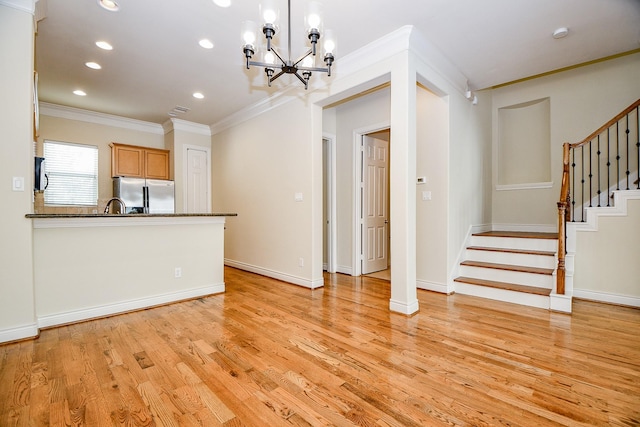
(157, 164)
(127, 161)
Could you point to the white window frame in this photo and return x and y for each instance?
(72, 177)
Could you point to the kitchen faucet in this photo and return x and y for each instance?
(116, 199)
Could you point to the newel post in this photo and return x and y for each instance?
(563, 217)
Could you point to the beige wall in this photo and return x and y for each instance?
(17, 316)
(606, 260)
(101, 268)
(366, 113)
(100, 135)
(582, 100)
(258, 167)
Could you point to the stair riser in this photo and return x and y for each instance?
(515, 243)
(519, 278)
(530, 300)
(527, 260)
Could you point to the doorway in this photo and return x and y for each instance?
(375, 230)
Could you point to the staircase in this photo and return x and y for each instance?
(516, 267)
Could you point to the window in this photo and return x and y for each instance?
(72, 170)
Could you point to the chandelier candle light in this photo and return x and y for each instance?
(304, 64)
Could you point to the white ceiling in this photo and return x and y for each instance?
(157, 63)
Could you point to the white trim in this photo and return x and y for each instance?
(71, 113)
(442, 288)
(356, 206)
(123, 221)
(28, 6)
(125, 306)
(528, 228)
(332, 238)
(185, 170)
(343, 269)
(561, 303)
(528, 186)
(19, 333)
(285, 277)
(455, 271)
(628, 300)
(403, 308)
(183, 125)
(619, 208)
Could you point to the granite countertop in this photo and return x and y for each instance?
(177, 215)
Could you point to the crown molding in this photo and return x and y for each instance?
(186, 126)
(71, 113)
(28, 6)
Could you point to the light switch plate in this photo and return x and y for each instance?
(298, 197)
(426, 195)
(18, 183)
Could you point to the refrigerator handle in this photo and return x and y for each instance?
(145, 199)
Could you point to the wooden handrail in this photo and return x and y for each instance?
(564, 212)
(607, 125)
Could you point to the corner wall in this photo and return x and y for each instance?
(17, 313)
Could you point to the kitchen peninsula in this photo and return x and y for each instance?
(93, 265)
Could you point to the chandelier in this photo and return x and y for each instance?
(304, 65)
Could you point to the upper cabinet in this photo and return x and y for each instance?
(139, 162)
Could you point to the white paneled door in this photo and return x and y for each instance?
(197, 181)
(375, 238)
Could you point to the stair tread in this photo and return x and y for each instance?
(509, 267)
(511, 251)
(518, 234)
(503, 285)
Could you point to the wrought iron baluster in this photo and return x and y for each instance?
(582, 184)
(590, 176)
(628, 154)
(599, 152)
(608, 167)
(573, 182)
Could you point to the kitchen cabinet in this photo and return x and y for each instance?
(139, 162)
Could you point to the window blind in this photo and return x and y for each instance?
(72, 170)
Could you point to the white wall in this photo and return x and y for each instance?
(17, 316)
(582, 100)
(367, 112)
(606, 260)
(98, 266)
(432, 162)
(258, 167)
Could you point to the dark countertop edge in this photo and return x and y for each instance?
(41, 216)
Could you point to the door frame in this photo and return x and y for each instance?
(358, 135)
(185, 173)
(330, 203)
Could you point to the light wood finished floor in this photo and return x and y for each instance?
(267, 353)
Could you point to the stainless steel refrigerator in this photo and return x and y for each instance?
(141, 195)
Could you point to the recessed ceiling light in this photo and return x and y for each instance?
(222, 3)
(198, 95)
(104, 45)
(206, 43)
(560, 33)
(79, 92)
(110, 5)
(93, 65)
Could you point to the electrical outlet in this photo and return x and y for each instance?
(301, 262)
(178, 272)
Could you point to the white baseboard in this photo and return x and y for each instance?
(561, 303)
(19, 333)
(125, 306)
(433, 286)
(344, 270)
(300, 281)
(629, 300)
(404, 308)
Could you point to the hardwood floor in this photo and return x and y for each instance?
(267, 353)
